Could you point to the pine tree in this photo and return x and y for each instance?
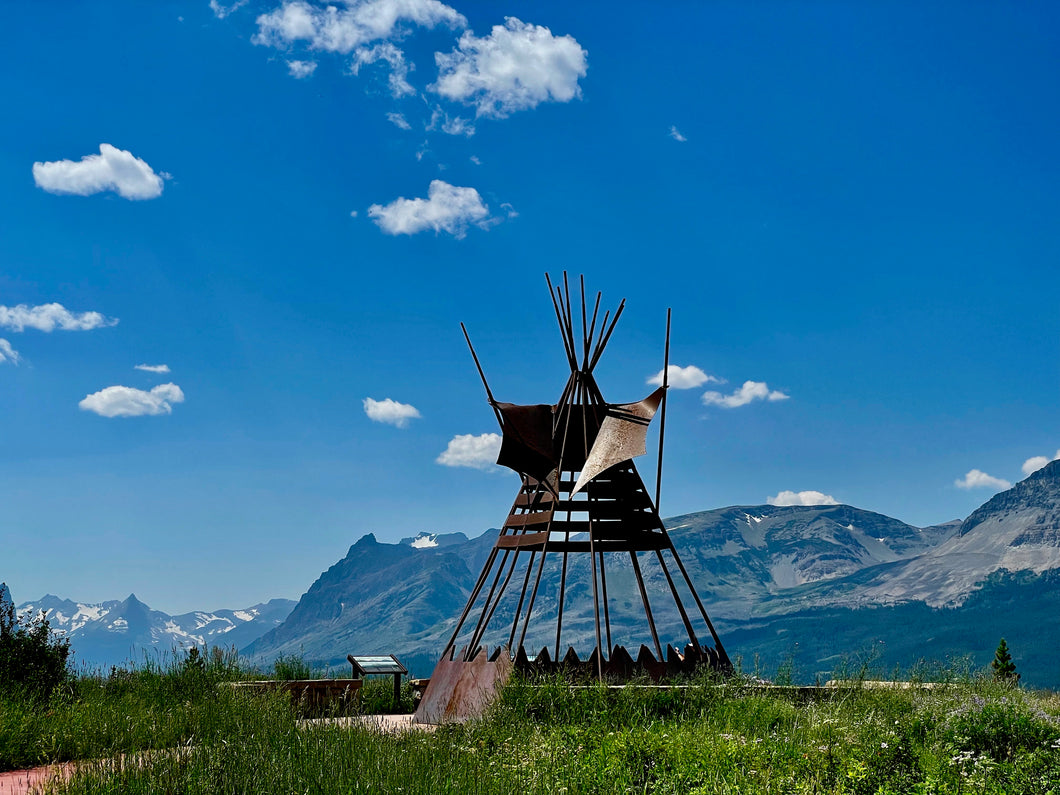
(1004, 668)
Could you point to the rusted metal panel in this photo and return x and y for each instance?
(639, 543)
(542, 499)
(525, 540)
(527, 519)
(460, 691)
(527, 443)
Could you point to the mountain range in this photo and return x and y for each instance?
(812, 588)
(815, 586)
(113, 632)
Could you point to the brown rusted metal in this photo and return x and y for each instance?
(581, 493)
(460, 689)
(644, 599)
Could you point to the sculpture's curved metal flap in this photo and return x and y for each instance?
(622, 436)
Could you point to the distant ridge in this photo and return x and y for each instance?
(1016, 530)
(403, 598)
(822, 580)
(117, 631)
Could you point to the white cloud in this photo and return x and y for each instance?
(48, 317)
(153, 368)
(750, 391)
(517, 67)
(802, 498)
(125, 401)
(112, 169)
(399, 120)
(447, 208)
(684, 377)
(221, 11)
(976, 479)
(474, 159)
(301, 69)
(477, 452)
(1032, 465)
(395, 58)
(676, 134)
(358, 23)
(7, 353)
(390, 411)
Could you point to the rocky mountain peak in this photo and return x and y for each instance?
(1038, 493)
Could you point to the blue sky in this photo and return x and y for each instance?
(853, 207)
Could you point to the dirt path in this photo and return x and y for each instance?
(20, 782)
(23, 782)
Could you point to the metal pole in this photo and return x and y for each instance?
(474, 595)
(677, 599)
(482, 375)
(662, 419)
(647, 607)
(722, 656)
(607, 615)
(562, 593)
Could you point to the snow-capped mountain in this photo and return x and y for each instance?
(114, 632)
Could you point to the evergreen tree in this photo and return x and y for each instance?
(1004, 668)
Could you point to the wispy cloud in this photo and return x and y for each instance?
(676, 134)
(390, 412)
(7, 353)
(112, 169)
(399, 120)
(388, 53)
(48, 317)
(802, 498)
(153, 368)
(516, 67)
(450, 125)
(447, 208)
(301, 69)
(126, 401)
(684, 377)
(748, 393)
(221, 11)
(977, 479)
(1032, 465)
(467, 450)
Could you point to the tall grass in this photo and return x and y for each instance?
(971, 735)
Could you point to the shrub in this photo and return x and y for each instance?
(32, 662)
(288, 667)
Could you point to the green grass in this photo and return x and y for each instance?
(972, 735)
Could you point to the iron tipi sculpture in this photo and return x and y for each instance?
(581, 495)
